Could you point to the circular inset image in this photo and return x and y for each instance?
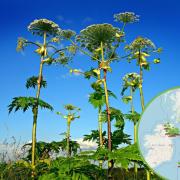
(159, 134)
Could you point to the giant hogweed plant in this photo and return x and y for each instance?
(49, 53)
(98, 100)
(100, 43)
(140, 50)
(24, 104)
(72, 114)
(131, 82)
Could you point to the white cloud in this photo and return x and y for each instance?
(159, 145)
(86, 145)
(74, 74)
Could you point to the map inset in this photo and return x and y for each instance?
(159, 134)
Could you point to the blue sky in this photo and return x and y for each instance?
(159, 21)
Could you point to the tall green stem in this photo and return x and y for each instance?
(140, 88)
(68, 136)
(100, 126)
(141, 82)
(100, 132)
(108, 111)
(107, 101)
(35, 111)
(135, 130)
(100, 121)
(110, 163)
(148, 174)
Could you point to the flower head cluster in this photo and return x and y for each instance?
(71, 107)
(92, 36)
(131, 76)
(131, 80)
(41, 26)
(67, 34)
(126, 17)
(21, 43)
(141, 43)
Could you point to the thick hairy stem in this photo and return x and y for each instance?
(100, 121)
(132, 104)
(135, 141)
(100, 132)
(108, 112)
(135, 131)
(110, 163)
(68, 138)
(100, 126)
(141, 82)
(34, 137)
(35, 112)
(35, 115)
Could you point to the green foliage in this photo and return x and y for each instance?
(126, 99)
(22, 170)
(19, 170)
(133, 116)
(94, 136)
(24, 103)
(126, 17)
(73, 146)
(90, 73)
(43, 149)
(119, 137)
(73, 168)
(124, 156)
(41, 26)
(116, 115)
(97, 98)
(33, 81)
